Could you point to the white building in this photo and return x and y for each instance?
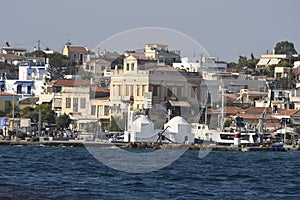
(204, 64)
(31, 82)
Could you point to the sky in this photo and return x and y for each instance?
(224, 28)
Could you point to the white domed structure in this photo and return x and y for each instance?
(179, 130)
(142, 129)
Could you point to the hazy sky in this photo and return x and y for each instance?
(225, 28)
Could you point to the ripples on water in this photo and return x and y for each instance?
(34, 172)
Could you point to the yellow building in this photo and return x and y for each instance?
(146, 84)
(82, 101)
(8, 102)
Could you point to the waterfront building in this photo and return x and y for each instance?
(145, 83)
(83, 100)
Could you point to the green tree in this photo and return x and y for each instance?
(285, 47)
(113, 125)
(47, 113)
(60, 65)
(63, 121)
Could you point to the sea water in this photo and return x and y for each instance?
(42, 172)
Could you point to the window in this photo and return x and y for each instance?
(87, 67)
(127, 68)
(106, 110)
(68, 102)
(132, 66)
(29, 89)
(92, 67)
(154, 90)
(19, 89)
(75, 104)
(81, 57)
(93, 110)
(82, 102)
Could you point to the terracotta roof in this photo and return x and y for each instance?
(78, 49)
(102, 98)
(70, 83)
(230, 110)
(11, 56)
(8, 94)
(289, 112)
(256, 116)
(137, 54)
(258, 110)
(100, 89)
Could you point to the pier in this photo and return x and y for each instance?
(144, 145)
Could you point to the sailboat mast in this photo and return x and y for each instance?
(222, 110)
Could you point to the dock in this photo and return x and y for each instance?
(144, 145)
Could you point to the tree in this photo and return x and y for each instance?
(113, 125)
(48, 114)
(60, 65)
(285, 47)
(63, 121)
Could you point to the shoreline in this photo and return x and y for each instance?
(146, 145)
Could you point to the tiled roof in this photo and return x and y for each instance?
(78, 49)
(289, 112)
(256, 116)
(258, 110)
(11, 56)
(230, 110)
(5, 94)
(100, 89)
(70, 83)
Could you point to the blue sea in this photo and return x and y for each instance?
(42, 172)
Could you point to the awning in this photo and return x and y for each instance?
(27, 83)
(30, 70)
(18, 83)
(179, 103)
(45, 99)
(41, 70)
(263, 61)
(274, 61)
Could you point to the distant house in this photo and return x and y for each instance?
(269, 59)
(13, 50)
(97, 67)
(11, 58)
(77, 54)
(8, 101)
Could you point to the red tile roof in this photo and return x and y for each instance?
(289, 112)
(70, 83)
(256, 116)
(100, 89)
(11, 56)
(77, 49)
(8, 94)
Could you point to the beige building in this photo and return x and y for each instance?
(147, 84)
(77, 54)
(79, 99)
